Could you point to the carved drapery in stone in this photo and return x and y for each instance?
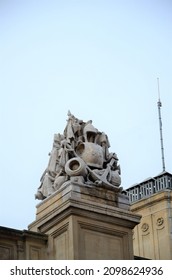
(80, 154)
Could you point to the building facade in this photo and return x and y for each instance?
(22, 244)
(152, 199)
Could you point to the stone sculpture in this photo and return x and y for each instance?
(81, 155)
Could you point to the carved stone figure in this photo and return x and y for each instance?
(81, 154)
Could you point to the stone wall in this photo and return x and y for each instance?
(22, 244)
(152, 237)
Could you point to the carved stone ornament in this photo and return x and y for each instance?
(160, 221)
(81, 154)
(20, 246)
(145, 227)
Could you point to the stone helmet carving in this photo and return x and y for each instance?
(90, 132)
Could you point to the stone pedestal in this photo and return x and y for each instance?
(86, 222)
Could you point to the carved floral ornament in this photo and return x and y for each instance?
(81, 154)
(145, 227)
(160, 221)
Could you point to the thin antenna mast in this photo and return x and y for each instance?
(160, 127)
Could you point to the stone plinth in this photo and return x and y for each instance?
(86, 222)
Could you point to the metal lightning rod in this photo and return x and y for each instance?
(160, 127)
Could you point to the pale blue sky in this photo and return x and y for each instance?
(101, 60)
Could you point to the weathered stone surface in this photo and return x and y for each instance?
(152, 237)
(86, 222)
(83, 151)
(22, 244)
(84, 214)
